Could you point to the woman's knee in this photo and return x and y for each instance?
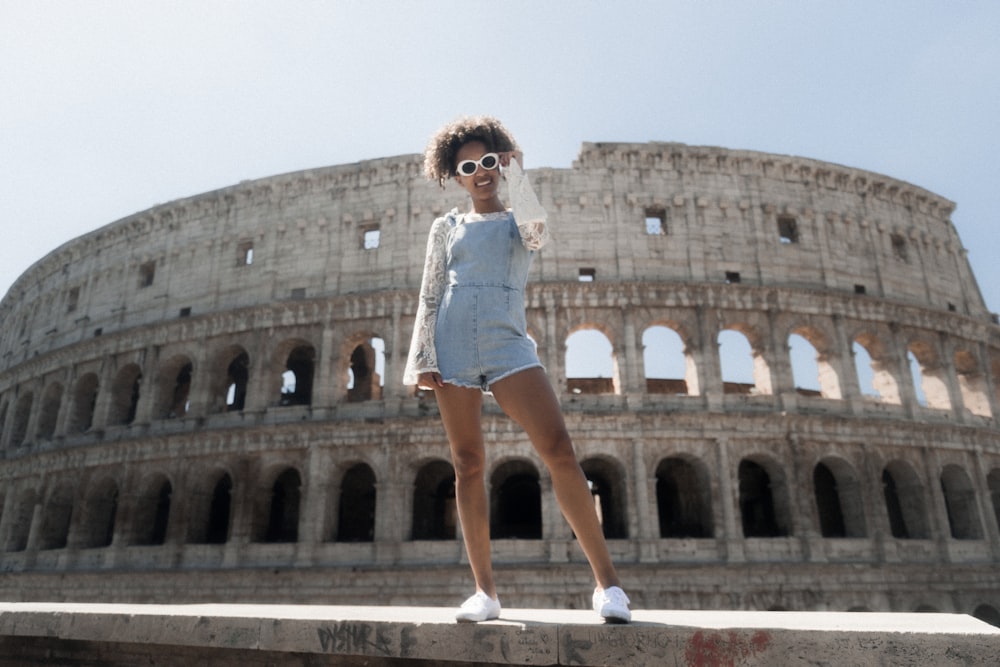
(469, 460)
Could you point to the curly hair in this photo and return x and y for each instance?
(439, 158)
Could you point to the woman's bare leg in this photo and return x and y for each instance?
(461, 413)
(528, 398)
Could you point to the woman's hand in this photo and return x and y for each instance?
(430, 380)
(507, 155)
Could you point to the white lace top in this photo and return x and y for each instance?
(532, 223)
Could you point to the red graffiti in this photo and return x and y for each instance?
(715, 649)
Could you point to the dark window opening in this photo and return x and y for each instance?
(732, 277)
(757, 508)
(788, 229)
(147, 272)
(588, 275)
(899, 249)
(244, 254)
(860, 289)
(356, 511)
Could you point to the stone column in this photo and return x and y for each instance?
(731, 537)
(633, 377)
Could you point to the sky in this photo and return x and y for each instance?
(109, 108)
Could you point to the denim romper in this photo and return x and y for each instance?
(480, 335)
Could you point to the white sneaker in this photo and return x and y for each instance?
(480, 607)
(612, 604)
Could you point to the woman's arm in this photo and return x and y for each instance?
(530, 216)
(422, 357)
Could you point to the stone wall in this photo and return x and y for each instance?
(213, 386)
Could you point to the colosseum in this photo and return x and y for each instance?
(203, 402)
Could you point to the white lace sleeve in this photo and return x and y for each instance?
(423, 357)
(531, 218)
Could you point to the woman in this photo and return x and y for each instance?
(470, 338)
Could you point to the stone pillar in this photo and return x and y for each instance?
(947, 362)
(633, 377)
(555, 346)
(395, 361)
(705, 354)
(327, 387)
(731, 536)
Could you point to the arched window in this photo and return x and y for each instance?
(99, 511)
(607, 486)
(667, 367)
(210, 506)
(876, 369)
(515, 502)
(590, 363)
(435, 515)
(683, 498)
(929, 380)
(763, 506)
(297, 379)
(960, 501)
(152, 511)
(22, 414)
(993, 482)
(125, 395)
(56, 519)
(283, 509)
(987, 613)
(812, 372)
(838, 499)
(365, 374)
(51, 402)
(81, 417)
(972, 384)
(356, 513)
(744, 369)
(237, 379)
(173, 388)
(904, 502)
(20, 522)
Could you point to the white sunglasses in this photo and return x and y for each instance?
(487, 162)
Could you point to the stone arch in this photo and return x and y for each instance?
(740, 343)
(993, 484)
(125, 390)
(173, 387)
(515, 501)
(764, 502)
(100, 509)
(277, 506)
(608, 487)
(684, 497)
(56, 517)
(365, 368)
(22, 416)
(960, 503)
(590, 363)
(84, 401)
(972, 383)
(435, 514)
(839, 503)
(905, 501)
(987, 613)
(810, 352)
(929, 379)
(152, 510)
(48, 414)
(298, 368)
(356, 508)
(668, 368)
(210, 514)
(20, 520)
(880, 372)
(229, 379)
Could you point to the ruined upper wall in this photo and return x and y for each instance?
(723, 215)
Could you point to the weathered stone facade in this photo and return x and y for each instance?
(192, 404)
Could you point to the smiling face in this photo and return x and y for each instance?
(484, 185)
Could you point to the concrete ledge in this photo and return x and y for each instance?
(243, 634)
